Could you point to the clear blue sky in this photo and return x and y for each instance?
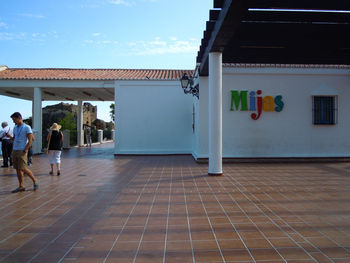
(153, 34)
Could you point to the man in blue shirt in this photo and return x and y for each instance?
(22, 140)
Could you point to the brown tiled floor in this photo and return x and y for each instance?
(166, 209)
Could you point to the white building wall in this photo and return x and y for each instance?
(153, 117)
(201, 142)
(289, 133)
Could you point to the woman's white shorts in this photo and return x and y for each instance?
(54, 156)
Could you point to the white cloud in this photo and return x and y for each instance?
(2, 24)
(132, 44)
(100, 42)
(38, 16)
(130, 2)
(53, 33)
(157, 46)
(12, 36)
(96, 34)
(91, 5)
(27, 37)
(161, 47)
(122, 2)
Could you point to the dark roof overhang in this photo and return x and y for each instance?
(277, 31)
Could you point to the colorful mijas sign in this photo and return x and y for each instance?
(255, 102)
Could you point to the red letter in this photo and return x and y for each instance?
(255, 116)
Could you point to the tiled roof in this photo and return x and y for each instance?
(90, 74)
(263, 65)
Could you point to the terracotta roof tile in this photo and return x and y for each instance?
(90, 74)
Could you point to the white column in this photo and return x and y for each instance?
(37, 120)
(113, 135)
(66, 141)
(100, 136)
(116, 139)
(80, 132)
(215, 113)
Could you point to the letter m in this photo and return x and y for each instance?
(239, 98)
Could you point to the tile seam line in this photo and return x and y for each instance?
(148, 216)
(139, 197)
(40, 231)
(42, 197)
(116, 197)
(187, 216)
(68, 227)
(307, 241)
(13, 234)
(210, 224)
(242, 210)
(24, 197)
(336, 171)
(52, 241)
(17, 200)
(167, 220)
(230, 179)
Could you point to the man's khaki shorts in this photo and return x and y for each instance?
(19, 159)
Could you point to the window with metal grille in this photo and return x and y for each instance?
(324, 109)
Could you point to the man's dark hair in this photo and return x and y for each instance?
(16, 115)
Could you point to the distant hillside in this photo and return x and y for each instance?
(55, 113)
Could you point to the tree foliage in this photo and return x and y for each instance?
(68, 122)
(111, 112)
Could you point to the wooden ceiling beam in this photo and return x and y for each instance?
(218, 3)
(298, 17)
(286, 56)
(247, 35)
(292, 32)
(230, 15)
(301, 4)
(214, 15)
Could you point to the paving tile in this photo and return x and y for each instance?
(342, 260)
(294, 254)
(280, 242)
(202, 235)
(231, 244)
(208, 256)
(166, 209)
(336, 252)
(236, 255)
(321, 258)
(206, 245)
(173, 246)
(257, 243)
(178, 256)
(265, 254)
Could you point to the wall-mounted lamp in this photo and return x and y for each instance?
(187, 85)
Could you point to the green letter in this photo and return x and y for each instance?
(239, 97)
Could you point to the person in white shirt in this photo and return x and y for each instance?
(6, 144)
